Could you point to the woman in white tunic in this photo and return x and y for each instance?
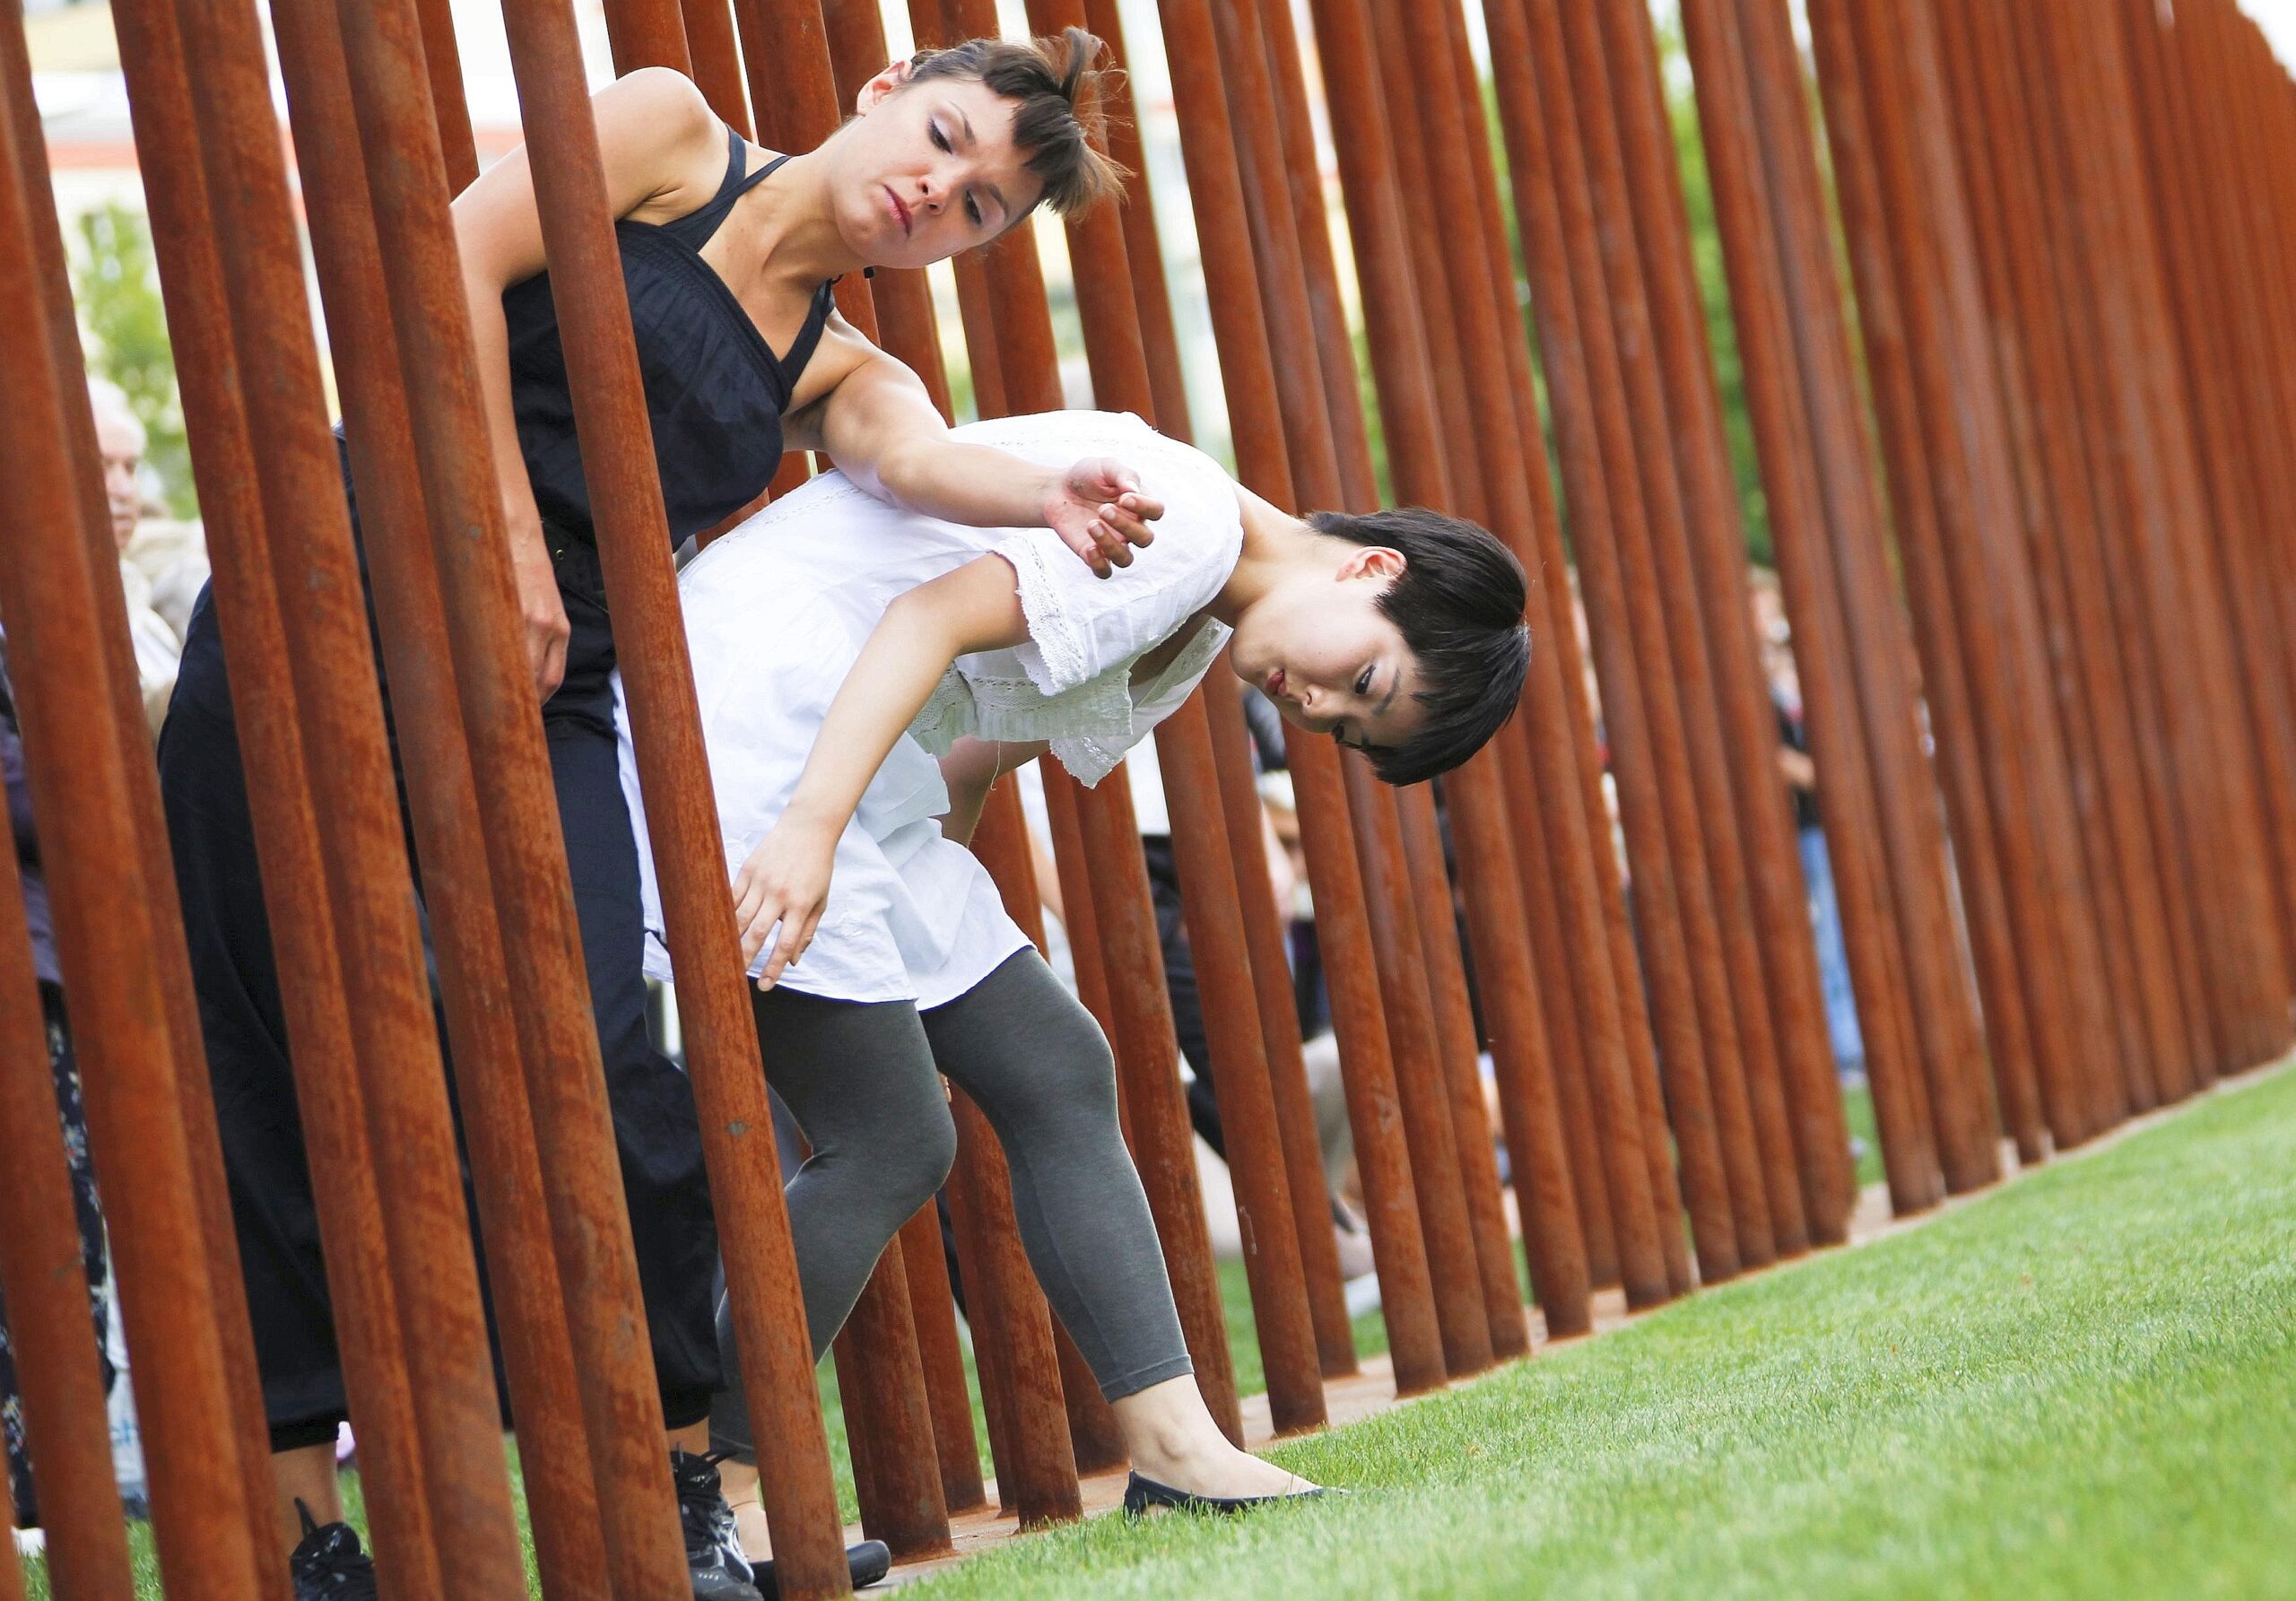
(863, 674)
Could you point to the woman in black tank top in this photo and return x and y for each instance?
(727, 255)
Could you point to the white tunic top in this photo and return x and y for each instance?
(778, 610)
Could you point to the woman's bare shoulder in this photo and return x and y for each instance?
(657, 133)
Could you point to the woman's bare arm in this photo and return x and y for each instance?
(876, 422)
(658, 140)
(786, 879)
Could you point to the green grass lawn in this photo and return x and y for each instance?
(2084, 1384)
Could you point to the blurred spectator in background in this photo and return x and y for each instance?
(1801, 775)
(158, 644)
(73, 1117)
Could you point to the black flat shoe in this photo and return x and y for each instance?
(1141, 1495)
(868, 1562)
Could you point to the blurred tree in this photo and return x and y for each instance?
(117, 293)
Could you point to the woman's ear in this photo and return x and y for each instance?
(1378, 561)
(877, 88)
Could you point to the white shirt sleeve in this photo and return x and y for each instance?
(1082, 627)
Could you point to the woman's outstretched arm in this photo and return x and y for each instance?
(786, 879)
(880, 427)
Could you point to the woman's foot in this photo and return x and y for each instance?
(1175, 1444)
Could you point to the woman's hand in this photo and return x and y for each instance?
(1100, 512)
(785, 881)
(543, 613)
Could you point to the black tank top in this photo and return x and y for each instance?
(715, 390)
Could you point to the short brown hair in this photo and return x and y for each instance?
(1058, 122)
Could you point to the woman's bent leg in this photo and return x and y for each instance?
(1021, 1046)
(859, 1078)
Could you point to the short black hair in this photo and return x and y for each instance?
(1458, 605)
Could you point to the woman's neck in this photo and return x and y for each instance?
(797, 243)
(1277, 545)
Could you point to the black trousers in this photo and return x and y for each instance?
(656, 1128)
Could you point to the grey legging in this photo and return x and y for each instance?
(864, 1081)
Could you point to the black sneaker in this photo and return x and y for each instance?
(329, 1564)
(713, 1550)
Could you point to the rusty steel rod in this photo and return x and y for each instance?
(1279, 1018)
(891, 1419)
(2076, 609)
(646, 33)
(549, 991)
(1895, 796)
(1117, 381)
(44, 1281)
(1342, 916)
(1040, 1458)
(1553, 759)
(1596, 459)
(1981, 53)
(1546, 522)
(2202, 273)
(1752, 219)
(1476, 794)
(202, 1140)
(2146, 456)
(1733, 1003)
(722, 1051)
(1211, 864)
(172, 1288)
(2240, 811)
(1779, 934)
(932, 1307)
(1269, 104)
(2188, 893)
(2068, 917)
(1667, 645)
(369, 877)
(1095, 1439)
(1943, 1014)
(1371, 818)
(2039, 1011)
(791, 35)
(1554, 1244)
(1444, 960)
(287, 839)
(449, 841)
(2036, 441)
(1242, 1085)
(1017, 318)
(717, 60)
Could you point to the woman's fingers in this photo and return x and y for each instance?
(796, 932)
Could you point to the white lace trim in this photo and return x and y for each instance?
(1090, 728)
(1055, 653)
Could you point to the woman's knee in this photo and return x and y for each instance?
(928, 1150)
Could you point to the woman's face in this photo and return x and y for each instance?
(927, 171)
(1329, 658)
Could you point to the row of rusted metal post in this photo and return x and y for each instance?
(2071, 571)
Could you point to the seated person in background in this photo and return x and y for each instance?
(159, 648)
(839, 646)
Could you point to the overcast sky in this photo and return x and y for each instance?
(2278, 18)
